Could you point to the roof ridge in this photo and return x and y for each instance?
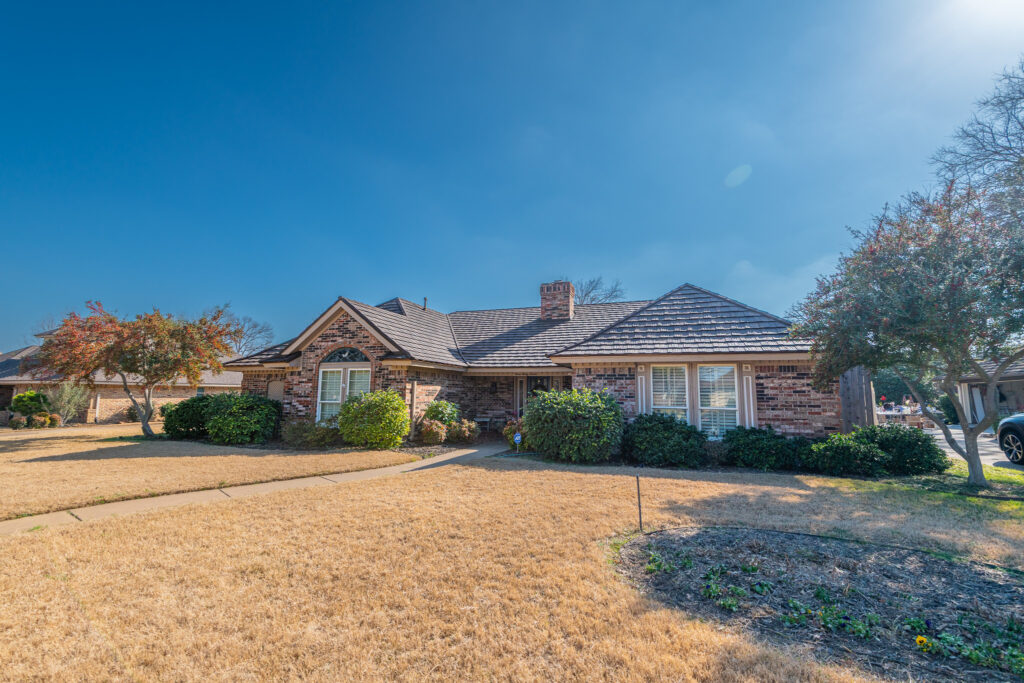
(524, 308)
(618, 322)
(738, 303)
(369, 323)
(455, 338)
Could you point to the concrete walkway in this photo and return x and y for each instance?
(127, 507)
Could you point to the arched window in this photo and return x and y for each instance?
(344, 373)
(346, 355)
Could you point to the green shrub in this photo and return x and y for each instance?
(763, 449)
(580, 425)
(55, 420)
(463, 431)
(948, 410)
(843, 454)
(17, 423)
(444, 412)
(310, 434)
(241, 418)
(165, 409)
(432, 432)
(187, 420)
(30, 403)
(509, 432)
(659, 440)
(131, 414)
(909, 450)
(39, 420)
(377, 419)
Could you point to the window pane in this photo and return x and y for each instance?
(674, 412)
(669, 386)
(358, 382)
(330, 385)
(717, 422)
(329, 410)
(717, 386)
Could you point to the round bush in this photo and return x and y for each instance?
(574, 426)
(509, 432)
(432, 432)
(187, 420)
(55, 420)
(444, 412)
(377, 419)
(909, 449)
(130, 414)
(241, 418)
(762, 449)
(30, 403)
(39, 420)
(17, 423)
(659, 440)
(463, 431)
(843, 454)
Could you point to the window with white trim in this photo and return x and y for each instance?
(717, 408)
(338, 384)
(668, 385)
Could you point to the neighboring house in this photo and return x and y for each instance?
(107, 400)
(973, 389)
(692, 353)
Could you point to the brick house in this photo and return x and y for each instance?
(107, 401)
(693, 353)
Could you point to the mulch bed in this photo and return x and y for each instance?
(841, 601)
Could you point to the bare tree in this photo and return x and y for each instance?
(254, 335)
(595, 291)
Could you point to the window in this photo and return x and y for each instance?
(200, 391)
(346, 355)
(329, 404)
(717, 409)
(668, 383)
(358, 382)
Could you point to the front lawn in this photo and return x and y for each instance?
(45, 470)
(490, 569)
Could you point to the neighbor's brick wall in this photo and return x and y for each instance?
(255, 381)
(300, 388)
(619, 380)
(787, 401)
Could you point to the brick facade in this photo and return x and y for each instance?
(619, 380)
(787, 401)
(557, 300)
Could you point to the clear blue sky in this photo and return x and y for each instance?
(276, 155)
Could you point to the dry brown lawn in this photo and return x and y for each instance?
(45, 470)
(495, 569)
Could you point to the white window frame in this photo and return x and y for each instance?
(346, 374)
(687, 410)
(736, 389)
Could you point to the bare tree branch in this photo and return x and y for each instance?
(595, 291)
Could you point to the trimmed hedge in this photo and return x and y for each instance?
(659, 440)
(241, 418)
(377, 419)
(580, 425)
(764, 449)
(908, 450)
(444, 412)
(844, 454)
(187, 420)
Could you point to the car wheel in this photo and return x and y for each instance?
(1013, 446)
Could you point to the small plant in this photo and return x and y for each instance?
(711, 590)
(915, 625)
(715, 572)
(737, 591)
(728, 604)
(463, 431)
(444, 412)
(511, 428)
(17, 423)
(762, 587)
(749, 568)
(55, 420)
(924, 644)
(131, 414)
(822, 594)
(432, 432)
(39, 420)
(658, 564)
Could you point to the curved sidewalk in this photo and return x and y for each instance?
(127, 507)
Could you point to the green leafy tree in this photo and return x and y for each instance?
(145, 352)
(936, 285)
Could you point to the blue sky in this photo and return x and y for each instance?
(275, 155)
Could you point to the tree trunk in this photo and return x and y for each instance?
(147, 412)
(975, 472)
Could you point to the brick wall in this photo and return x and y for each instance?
(619, 380)
(255, 382)
(478, 397)
(787, 401)
(557, 300)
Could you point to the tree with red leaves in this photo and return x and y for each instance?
(936, 286)
(147, 352)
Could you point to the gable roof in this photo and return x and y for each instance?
(1014, 370)
(687, 320)
(690, 320)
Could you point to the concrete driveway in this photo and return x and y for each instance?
(989, 450)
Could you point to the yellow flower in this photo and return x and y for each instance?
(921, 640)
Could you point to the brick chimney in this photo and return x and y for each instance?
(557, 300)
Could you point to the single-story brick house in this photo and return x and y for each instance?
(107, 400)
(714, 361)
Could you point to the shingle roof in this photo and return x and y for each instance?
(271, 354)
(1014, 371)
(11, 373)
(423, 333)
(517, 337)
(691, 320)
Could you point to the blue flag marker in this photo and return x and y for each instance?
(518, 439)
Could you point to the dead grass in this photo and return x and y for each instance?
(489, 570)
(47, 470)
